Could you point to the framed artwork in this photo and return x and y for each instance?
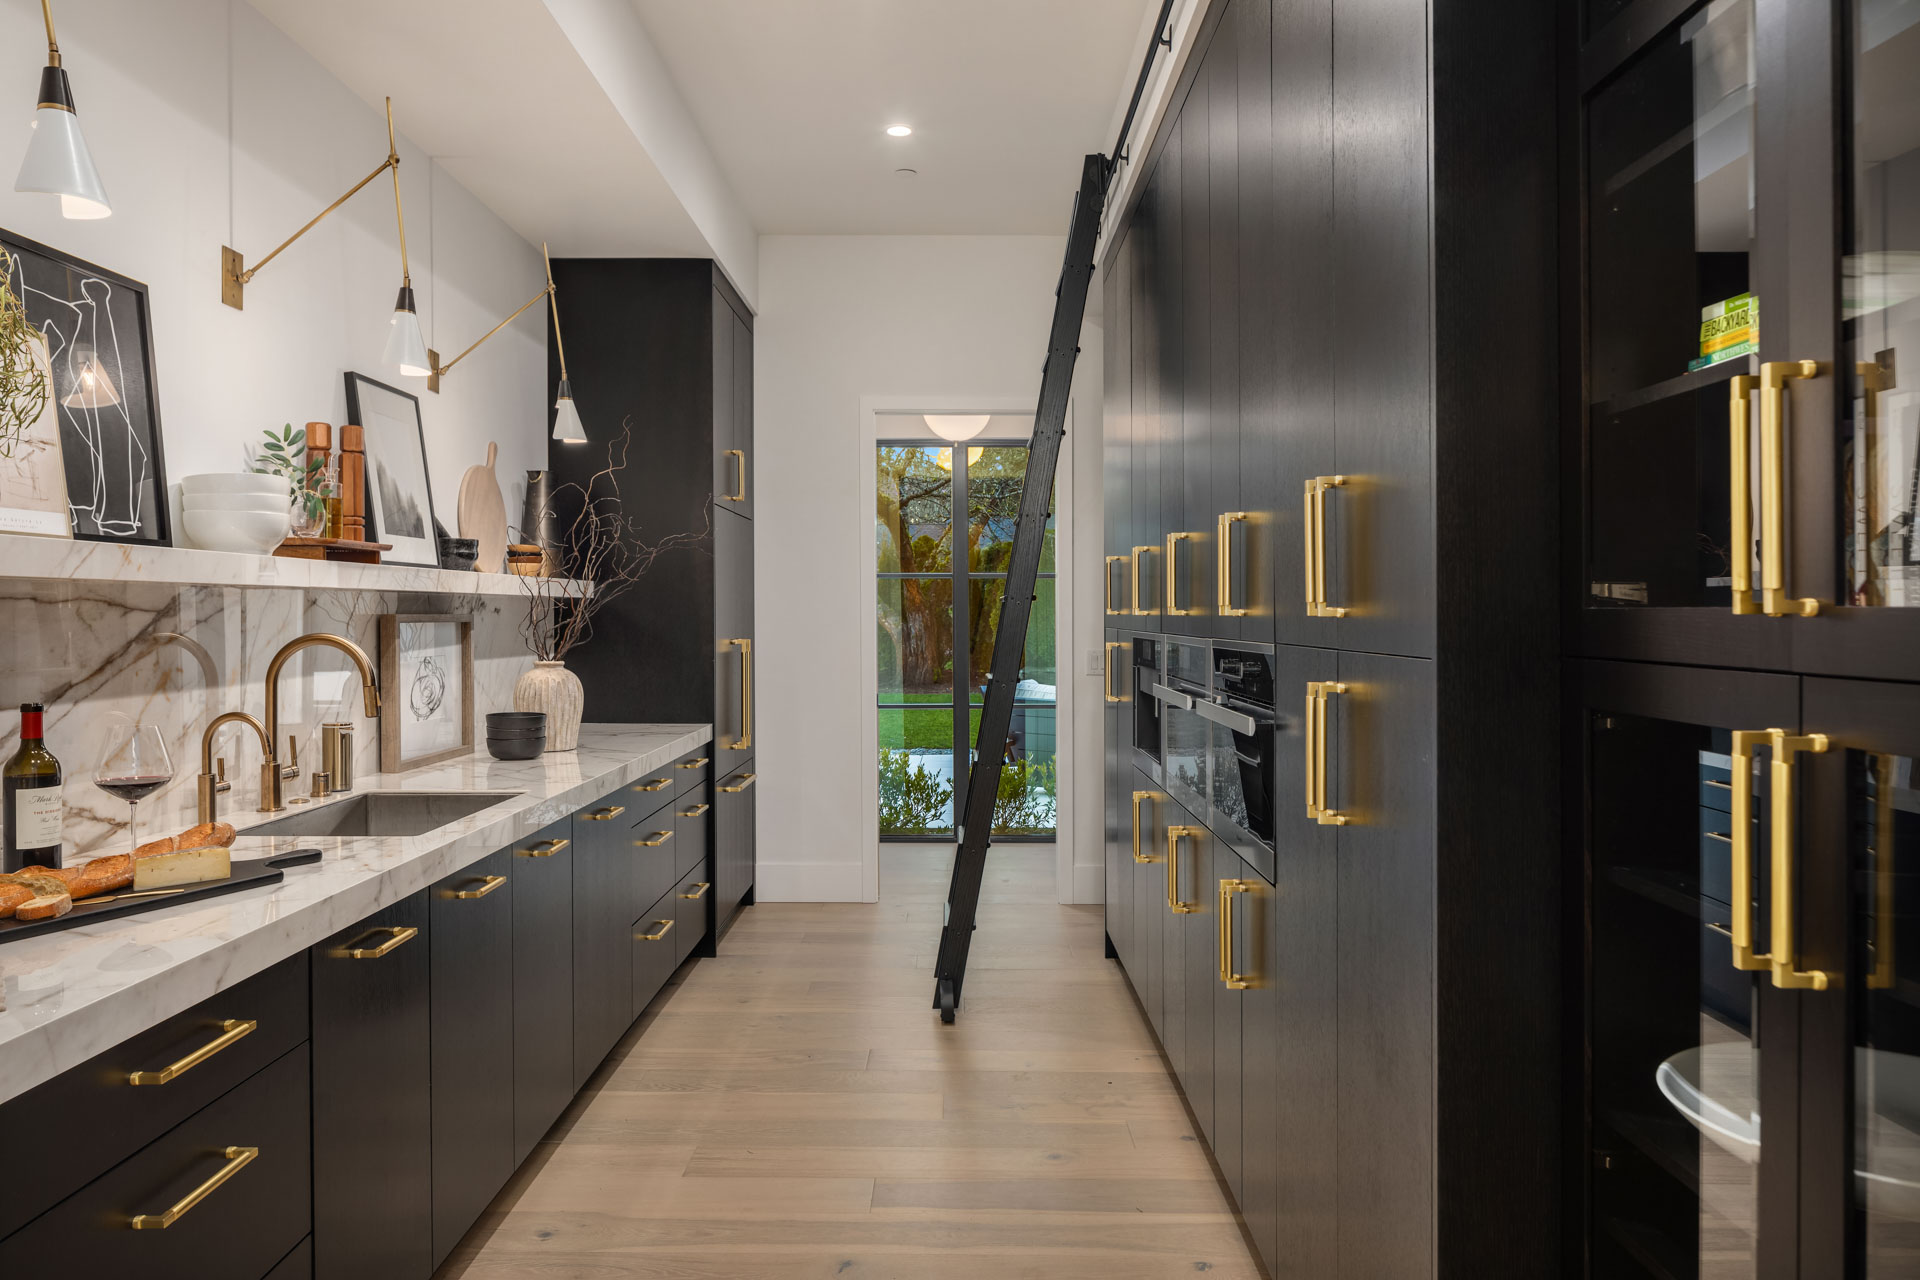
(426, 689)
(33, 479)
(105, 402)
(399, 499)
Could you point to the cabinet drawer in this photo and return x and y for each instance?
(223, 1196)
(692, 908)
(691, 775)
(654, 938)
(653, 856)
(692, 831)
(651, 791)
(84, 1121)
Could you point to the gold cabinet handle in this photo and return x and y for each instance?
(1138, 612)
(692, 764)
(237, 1158)
(739, 457)
(745, 780)
(487, 885)
(1172, 575)
(1224, 533)
(1774, 600)
(654, 784)
(1138, 856)
(700, 888)
(1107, 589)
(1174, 836)
(232, 1031)
(1740, 499)
(695, 812)
(542, 849)
(1740, 856)
(397, 936)
(1314, 521)
(1316, 752)
(666, 927)
(605, 814)
(1231, 978)
(659, 838)
(1783, 958)
(1113, 646)
(745, 739)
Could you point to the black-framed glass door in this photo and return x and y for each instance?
(1687, 1039)
(938, 614)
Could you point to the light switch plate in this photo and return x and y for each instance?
(1096, 662)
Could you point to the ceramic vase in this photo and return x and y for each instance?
(551, 688)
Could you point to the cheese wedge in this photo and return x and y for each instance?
(185, 866)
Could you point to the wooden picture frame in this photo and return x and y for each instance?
(416, 685)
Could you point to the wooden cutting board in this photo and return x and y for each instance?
(482, 513)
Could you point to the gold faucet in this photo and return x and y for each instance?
(211, 785)
(272, 797)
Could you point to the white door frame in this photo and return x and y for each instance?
(871, 409)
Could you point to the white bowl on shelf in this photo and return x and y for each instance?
(235, 482)
(234, 502)
(254, 532)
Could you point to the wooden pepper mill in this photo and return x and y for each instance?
(353, 482)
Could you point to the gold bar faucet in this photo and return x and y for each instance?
(211, 785)
(272, 795)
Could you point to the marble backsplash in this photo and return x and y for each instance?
(102, 653)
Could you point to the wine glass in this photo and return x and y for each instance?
(133, 767)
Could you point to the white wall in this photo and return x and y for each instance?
(211, 127)
(847, 320)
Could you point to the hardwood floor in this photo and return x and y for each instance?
(795, 1109)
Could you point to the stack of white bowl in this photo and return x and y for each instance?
(236, 512)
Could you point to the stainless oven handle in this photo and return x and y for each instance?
(1220, 715)
(1172, 697)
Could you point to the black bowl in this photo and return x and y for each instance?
(511, 735)
(516, 748)
(459, 553)
(516, 719)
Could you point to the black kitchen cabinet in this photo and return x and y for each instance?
(692, 829)
(1333, 258)
(651, 950)
(603, 913)
(1116, 440)
(733, 657)
(733, 845)
(692, 906)
(651, 852)
(542, 871)
(471, 990)
(372, 1098)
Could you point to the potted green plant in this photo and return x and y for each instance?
(284, 454)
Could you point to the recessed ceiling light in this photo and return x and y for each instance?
(906, 173)
(898, 131)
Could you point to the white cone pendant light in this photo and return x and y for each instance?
(405, 346)
(567, 427)
(58, 162)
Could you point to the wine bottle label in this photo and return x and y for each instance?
(36, 817)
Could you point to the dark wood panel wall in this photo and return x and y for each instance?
(1340, 258)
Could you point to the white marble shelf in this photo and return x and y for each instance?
(76, 993)
(51, 559)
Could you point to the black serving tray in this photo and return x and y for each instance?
(248, 874)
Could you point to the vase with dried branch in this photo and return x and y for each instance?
(599, 545)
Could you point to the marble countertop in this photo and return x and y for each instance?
(73, 994)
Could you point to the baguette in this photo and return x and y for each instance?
(39, 879)
(165, 844)
(220, 833)
(11, 896)
(45, 907)
(102, 875)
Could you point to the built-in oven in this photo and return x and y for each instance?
(1241, 721)
(1146, 705)
(1186, 666)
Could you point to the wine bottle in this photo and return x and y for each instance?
(32, 796)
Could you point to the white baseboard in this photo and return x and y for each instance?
(807, 882)
(1089, 883)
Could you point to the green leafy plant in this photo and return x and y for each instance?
(23, 377)
(912, 800)
(1024, 804)
(284, 454)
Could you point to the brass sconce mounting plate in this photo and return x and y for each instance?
(233, 290)
(433, 364)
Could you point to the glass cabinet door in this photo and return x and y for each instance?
(1689, 1041)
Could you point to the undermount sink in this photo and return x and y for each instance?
(383, 813)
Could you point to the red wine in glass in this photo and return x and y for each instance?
(134, 765)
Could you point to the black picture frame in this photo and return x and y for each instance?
(367, 396)
(114, 454)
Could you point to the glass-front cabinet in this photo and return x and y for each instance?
(1751, 1014)
(1750, 334)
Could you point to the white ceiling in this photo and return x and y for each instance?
(1004, 97)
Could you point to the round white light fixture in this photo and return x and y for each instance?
(898, 131)
(957, 426)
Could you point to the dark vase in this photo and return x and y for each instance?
(537, 523)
